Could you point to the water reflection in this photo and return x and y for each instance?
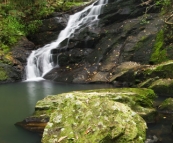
(17, 101)
(161, 129)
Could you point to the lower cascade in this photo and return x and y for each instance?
(40, 61)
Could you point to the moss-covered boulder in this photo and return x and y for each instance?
(163, 70)
(3, 74)
(101, 115)
(140, 100)
(144, 75)
(166, 106)
(93, 119)
(9, 73)
(163, 87)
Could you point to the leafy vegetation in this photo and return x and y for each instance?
(22, 17)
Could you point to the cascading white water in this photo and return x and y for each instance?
(39, 62)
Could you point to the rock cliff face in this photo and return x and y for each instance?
(124, 34)
(13, 70)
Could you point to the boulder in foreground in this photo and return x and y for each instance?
(93, 119)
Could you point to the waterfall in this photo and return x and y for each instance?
(39, 62)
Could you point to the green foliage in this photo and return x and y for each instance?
(32, 26)
(22, 17)
(11, 30)
(163, 2)
(21, 2)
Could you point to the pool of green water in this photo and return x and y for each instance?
(17, 101)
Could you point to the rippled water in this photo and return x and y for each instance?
(17, 101)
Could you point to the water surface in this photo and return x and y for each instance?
(17, 101)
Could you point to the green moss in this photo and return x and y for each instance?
(163, 70)
(159, 54)
(137, 95)
(93, 119)
(138, 99)
(167, 105)
(163, 87)
(3, 74)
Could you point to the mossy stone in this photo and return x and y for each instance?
(166, 106)
(3, 74)
(93, 119)
(163, 87)
(139, 99)
(159, 54)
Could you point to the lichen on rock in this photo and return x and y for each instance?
(138, 99)
(93, 119)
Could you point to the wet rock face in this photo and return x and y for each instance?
(119, 10)
(22, 50)
(74, 56)
(9, 73)
(119, 38)
(14, 69)
(49, 30)
(110, 52)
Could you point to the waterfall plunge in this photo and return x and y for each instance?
(39, 62)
